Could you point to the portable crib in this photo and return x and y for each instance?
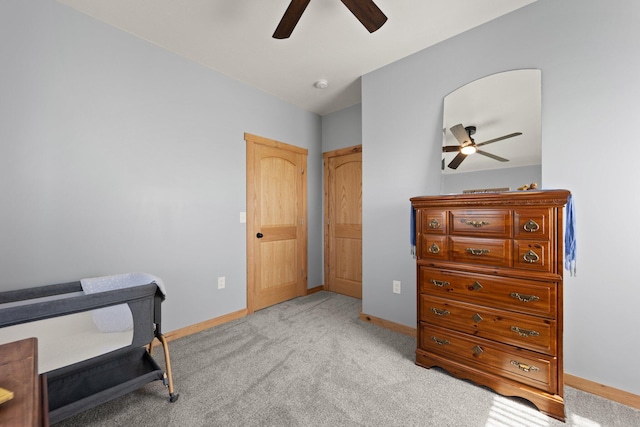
(85, 384)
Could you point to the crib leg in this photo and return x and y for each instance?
(172, 396)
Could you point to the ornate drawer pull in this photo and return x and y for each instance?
(524, 298)
(524, 367)
(439, 312)
(439, 283)
(476, 286)
(440, 341)
(525, 332)
(531, 257)
(434, 223)
(434, 249)
(474, 223)
(478, 252)
(477, 350)
(531, 226)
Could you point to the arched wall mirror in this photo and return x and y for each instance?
(496, 121)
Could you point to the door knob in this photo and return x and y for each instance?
(259, 235)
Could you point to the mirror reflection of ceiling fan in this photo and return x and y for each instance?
(469, 146)
(365, 10)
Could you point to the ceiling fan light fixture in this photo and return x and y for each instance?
(469, 149)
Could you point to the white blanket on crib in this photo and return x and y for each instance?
(117, 318)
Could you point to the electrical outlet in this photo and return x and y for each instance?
(221, 283)
(243, 217)
(396, 286)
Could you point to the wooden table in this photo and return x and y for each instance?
(19, 374)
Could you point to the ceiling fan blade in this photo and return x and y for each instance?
(367, 13)
(290, 18)
(461, 134)
(511, 135)
(450, 148)
(457, 160)
(493, 156)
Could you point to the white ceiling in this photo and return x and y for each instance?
(234, 38)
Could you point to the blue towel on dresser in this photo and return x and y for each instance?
(570, 247)
(413, 232)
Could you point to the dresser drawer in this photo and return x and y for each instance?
(518, 295)
(434, 221)
(524, 366)
(494, 252)
(481, 222)
(524, 331)
(533, 255)
(532, 223)
(434, 247)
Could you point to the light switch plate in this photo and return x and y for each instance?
(396, 286)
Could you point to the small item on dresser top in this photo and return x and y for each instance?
(532, 186)
(5, 395)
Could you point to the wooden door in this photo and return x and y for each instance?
(343, 221)
(276, 222)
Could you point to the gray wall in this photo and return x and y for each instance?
(342, 128)
(118, 156)
(586, 50)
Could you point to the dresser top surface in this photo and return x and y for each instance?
(529, 197)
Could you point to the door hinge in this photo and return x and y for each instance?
(302, 171)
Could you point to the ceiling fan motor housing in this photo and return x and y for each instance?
(471, 130)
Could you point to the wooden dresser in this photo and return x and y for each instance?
(489, 270)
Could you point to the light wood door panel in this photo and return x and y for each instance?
(343, 212)
(276, 222)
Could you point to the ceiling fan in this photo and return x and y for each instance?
(365, 10)
(468, 145)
